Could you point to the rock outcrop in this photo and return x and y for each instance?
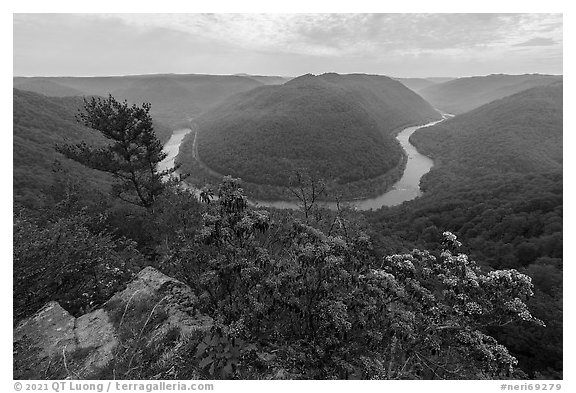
(54, 344)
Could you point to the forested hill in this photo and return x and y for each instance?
(521, 133)
(339, 125)
(497, 184)
(390, 103)
(40, 122)
(174, 97)
(464, 94)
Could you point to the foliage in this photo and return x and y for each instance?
(497, 182)
(340, 126)
(174, 219)
(200, 175)
(328, 308)
(40, 123)
(521, 133)
(220, 353)
(133, 155)
(307, 294)
(505, 222)
(291, 298)
(67, 261)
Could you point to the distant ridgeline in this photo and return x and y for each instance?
(174, 97)
(464, 94)
(341, 127)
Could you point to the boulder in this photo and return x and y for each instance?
(37, 340)
(54, 344)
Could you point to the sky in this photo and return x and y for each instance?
(401, 45)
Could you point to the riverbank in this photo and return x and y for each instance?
(352, 191)
(391, 189)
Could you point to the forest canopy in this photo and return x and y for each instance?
(497, 183)
(340, 126)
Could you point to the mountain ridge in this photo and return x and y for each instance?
(175, 98)
(464, 94)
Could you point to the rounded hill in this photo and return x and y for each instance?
(339, 126)
(521, 133)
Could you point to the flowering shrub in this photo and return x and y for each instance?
(328, 308)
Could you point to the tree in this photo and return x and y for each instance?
(308, 188)
(134, 151)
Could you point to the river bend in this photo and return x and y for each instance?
(405, 189)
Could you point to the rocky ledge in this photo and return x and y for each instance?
(153, 308)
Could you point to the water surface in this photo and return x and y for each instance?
(172, 147)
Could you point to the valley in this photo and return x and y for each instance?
(403, 174)
(202, 197)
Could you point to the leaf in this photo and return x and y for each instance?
(266, 357)
(227, 370)
(206, 361)
(201, 348)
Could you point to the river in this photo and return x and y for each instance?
(172, 147)
(405, 189)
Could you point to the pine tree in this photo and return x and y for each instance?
(134, 151)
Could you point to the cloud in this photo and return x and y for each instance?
(336, 34)
(88, 44)
(537, 41)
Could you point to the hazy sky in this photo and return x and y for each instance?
(410, 45)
